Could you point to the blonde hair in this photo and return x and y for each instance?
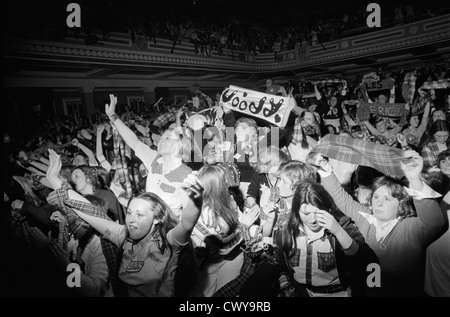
(183, 148)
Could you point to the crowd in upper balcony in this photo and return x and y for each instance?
(217, 30)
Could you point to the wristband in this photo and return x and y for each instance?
(113, 117)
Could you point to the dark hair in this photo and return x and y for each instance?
(307, 192)
(66, 171)
(332, 126)
(103, 177)
(436, 126)
(433, 177)
(442, 156)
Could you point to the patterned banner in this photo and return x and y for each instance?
(272, 108)
(391, 110)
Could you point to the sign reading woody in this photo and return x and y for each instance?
(272, 108)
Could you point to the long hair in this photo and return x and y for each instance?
(436, 126)
(307, 192)
(395, 187)
(183, 147)
(103, 177)
(216, 196)
(163, 213)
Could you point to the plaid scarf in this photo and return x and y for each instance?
(60, 197)
(419, 104)
(396, 110)
(383, 158)
(436, 84)
(121, 163)
(409, 87)
(223, 244)
(328, 81)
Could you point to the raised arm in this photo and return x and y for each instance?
(112, 231)
(191, 209)
(426, 115)
(128, 136)
(99, 149)
(430, 218)
(343, 200)
(87, 151)
(372, 130)
(53, 170)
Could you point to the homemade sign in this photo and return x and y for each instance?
(370, 77)
(391, 110)
(272, 108)
(385, 84)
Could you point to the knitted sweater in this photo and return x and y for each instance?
(401, 253)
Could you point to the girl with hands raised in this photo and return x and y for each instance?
(398, 225)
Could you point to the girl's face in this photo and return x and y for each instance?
(308, 118)
(308, 217)
(441, 136)
(245, 134)
(439, 115)
(140, 218)
(384, 206)
(333, 101)
(382, 99)
(167, 141)
(444, 165)
(78, 160)
(381, 126)
(79, 180)
(414, 121)
(285, 185)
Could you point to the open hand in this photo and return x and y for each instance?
(111, 108)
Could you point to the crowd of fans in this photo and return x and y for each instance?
(211, 32)
(358, 178)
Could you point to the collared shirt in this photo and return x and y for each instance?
(314, 261)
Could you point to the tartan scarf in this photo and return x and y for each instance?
(396, 110)
(435, 84)
(383, 158)
(121, 162)
(329, 81)
(60, 197)
(223, 244)
(409, 87)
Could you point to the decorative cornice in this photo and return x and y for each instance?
(410, 35)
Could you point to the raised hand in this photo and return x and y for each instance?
(85, 134)
(327, 221)
(74, 142)
(17, 204)
(100, 129)
(192, 186)
(250, 216)
(110, 109)
(323, 163)
(412, 164)
(60, 256)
